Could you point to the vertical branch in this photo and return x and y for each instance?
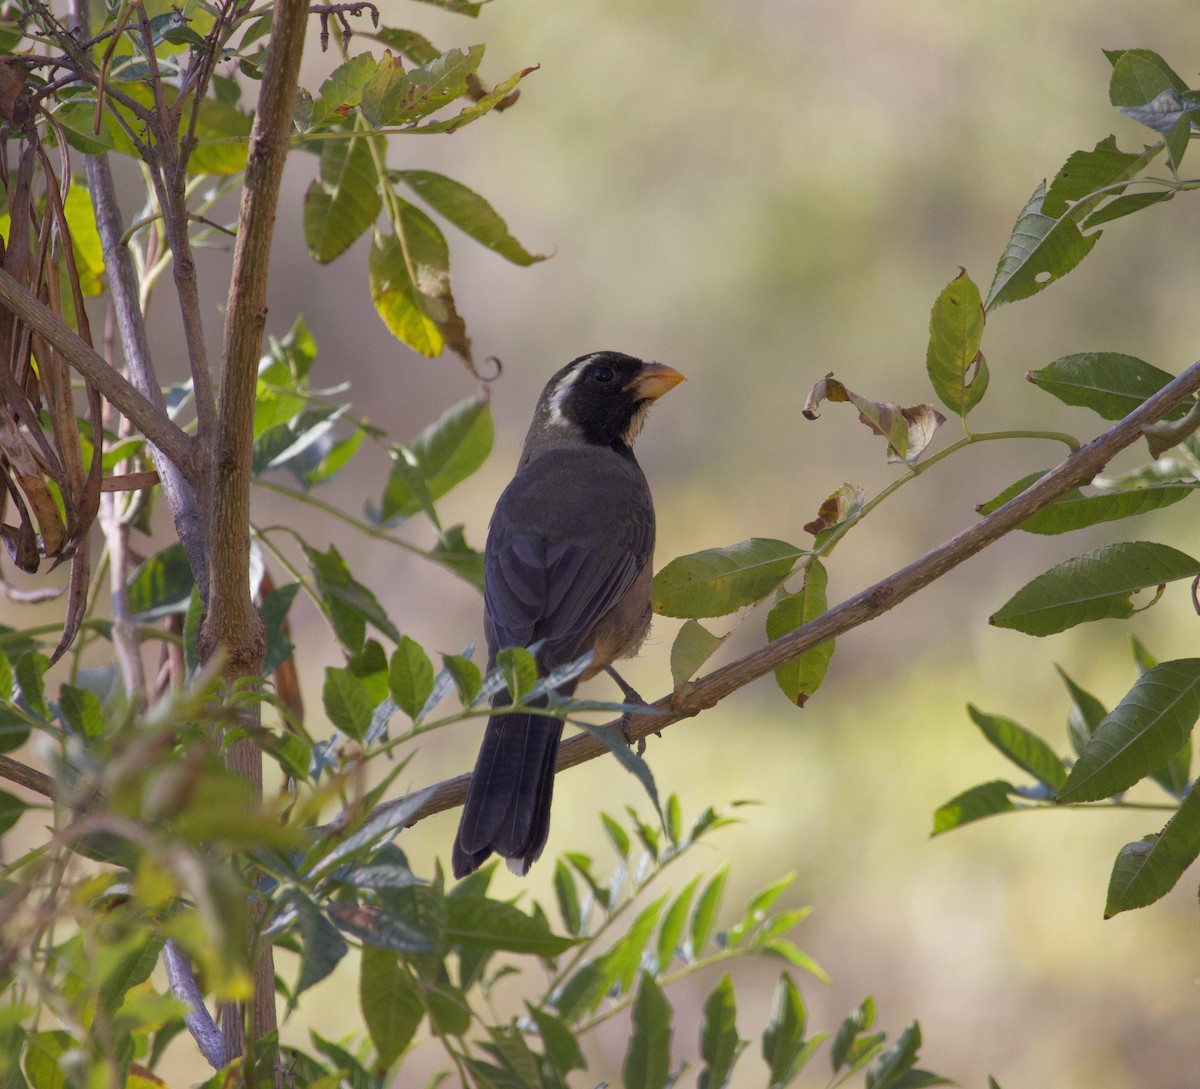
(232, 626)
(123, 285)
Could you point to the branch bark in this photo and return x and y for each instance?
(123, 286)
(232, 625)
(1076, 470)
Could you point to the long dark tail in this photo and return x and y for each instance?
(508, 803)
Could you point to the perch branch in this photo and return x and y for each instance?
(696, 696)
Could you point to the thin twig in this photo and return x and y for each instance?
(696, 696)
(23, 775)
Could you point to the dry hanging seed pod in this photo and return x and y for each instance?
(50, 498)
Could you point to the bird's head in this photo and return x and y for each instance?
(602, 398)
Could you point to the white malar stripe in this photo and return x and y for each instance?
(563, 388)
(635, 425)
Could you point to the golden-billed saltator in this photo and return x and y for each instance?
(567, 568)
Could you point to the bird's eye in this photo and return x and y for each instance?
(602, 374)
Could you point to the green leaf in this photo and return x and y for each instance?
(1028, 751)
(377, 927)
(519, 669)
(705, 916)
(621, 963)
(466, 676)
(850, 1046)
(42, 1054)
(469, 212)
(568, 898)
(160, 585)
(614, 741)
(648, 1060)
(347, 702)
(490, 924)
(500, 96)
(76, 117)
(412, 45)
(390, 1001)
(402, 98)
(82, 710)
(693, 646)
(11, 809)
(1142, 733)
(1095, 586)
(453, 553)
(342, 90)
(350, 605)
(410, 676)
(985, 800)
(719, 581)
(719, 1041)
(956, 367)
(1074, 510)
(1085, 172)
(1140, 79)
(1146, 870)
(670, 934)
(275, 607)
(296, 441)
(890, 1067)
(800, 678)
(1127, 205)
(445, 454)
(1043, 248)
(85, 240)
(448, 1009)
(322, 948)
(222, 139)
(29, 673)
(344, 200)
(1086, 713)
(558, 1041)
(783, 1045)
(1110, 384)
(410, 284)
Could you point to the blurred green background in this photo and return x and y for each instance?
(759, 193)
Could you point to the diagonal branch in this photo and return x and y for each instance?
(696, 696)
(159, 430)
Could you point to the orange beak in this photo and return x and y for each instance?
(653, 380)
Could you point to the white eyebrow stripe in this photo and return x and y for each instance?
(563, 387)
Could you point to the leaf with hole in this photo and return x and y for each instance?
(953, 360)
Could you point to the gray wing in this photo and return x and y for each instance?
(559, 558)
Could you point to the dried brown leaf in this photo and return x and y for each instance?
(908, 431)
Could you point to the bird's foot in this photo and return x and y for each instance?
(630, 695)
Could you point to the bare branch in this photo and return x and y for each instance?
(23, 775)
(199, 1021)
(123, 286)
(152, 423)
(696, 696)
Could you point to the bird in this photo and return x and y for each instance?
(567, 570)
